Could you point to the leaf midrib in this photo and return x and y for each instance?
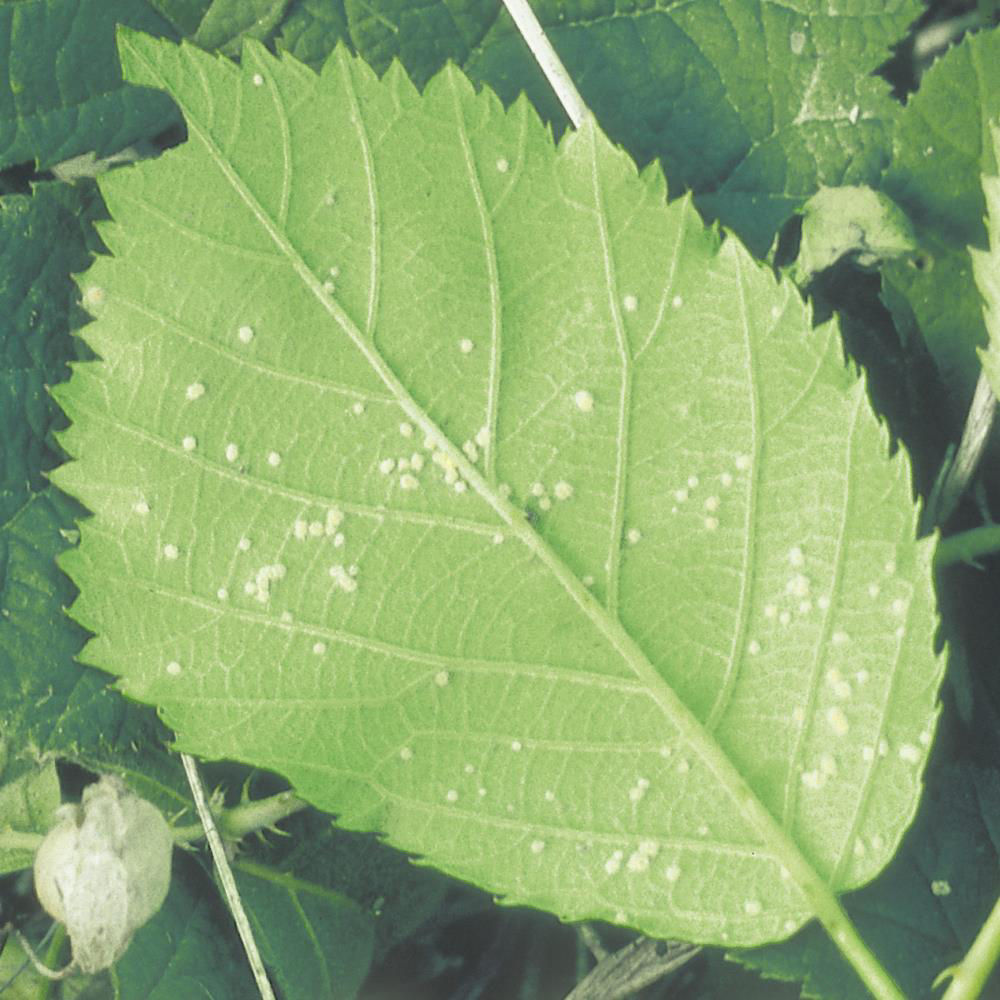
(691, 731)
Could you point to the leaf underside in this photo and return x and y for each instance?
(499, 505)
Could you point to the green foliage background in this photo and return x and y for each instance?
(748, 105)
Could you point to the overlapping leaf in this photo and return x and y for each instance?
(318, 941)
(941, 149)
(500, 506)
(61, 91)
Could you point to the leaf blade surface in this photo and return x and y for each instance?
(645, 654)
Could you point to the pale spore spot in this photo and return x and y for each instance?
(232, 452)
(441, 678)
(319, 648)
(408, 481)
(244, 544)
(170, 551)
(173, 668)
(633, 536)
(711, 523)
(497, 538)
(222, 594)
(465, 345)
(195, 391)
(898, 607)
(631, 303)
(753, 647)
(386, 466)
(672, 873)
(742, 462)
(141, 507)
(751, 907)
(584, 401)
(273, 459)
(406, 429)
(550, 796)
(516, 745)
(245, 334)
(798, 585)
(93, 297)
(711, 503)
(502, 165)
(343, 579)
(358, 408)
(941, 887)
(726, 479)
(797, 42)
(613, 865)
(189, 443)
(451, 795)
(837, 720)
(638, 790)
(266, 576)
(909, 753)
(405, 753)
(677, 302)
(537, 846)
(796, 557)
(258, 80)
(562, 490)
(840, 638)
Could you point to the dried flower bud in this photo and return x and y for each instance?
(104, 870)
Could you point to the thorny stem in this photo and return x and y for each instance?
(225, 874)
(238, 821)
(969, 977)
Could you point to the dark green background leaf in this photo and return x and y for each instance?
(61, 90)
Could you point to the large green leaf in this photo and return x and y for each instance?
(941, 149)
(498, 505)
(61, 91)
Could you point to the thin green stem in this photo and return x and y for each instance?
(842, 931)
(969, 977)
(968, 546)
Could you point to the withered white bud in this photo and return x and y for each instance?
(103, 870)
